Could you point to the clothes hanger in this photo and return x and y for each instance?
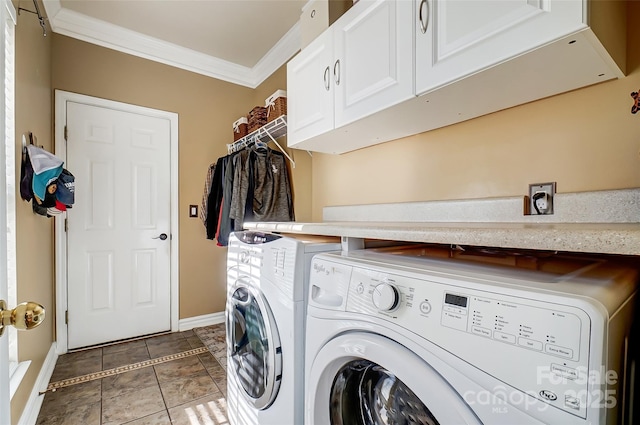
(260, 145)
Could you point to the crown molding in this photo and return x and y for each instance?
(95, 31)
(278, 55)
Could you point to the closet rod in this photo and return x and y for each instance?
(40, 17)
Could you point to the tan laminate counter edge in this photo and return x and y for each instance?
(602, 238)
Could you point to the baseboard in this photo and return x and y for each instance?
(200, 321)
(32, 408)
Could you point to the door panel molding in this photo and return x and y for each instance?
(61, 100)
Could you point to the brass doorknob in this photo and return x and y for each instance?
(24, 317)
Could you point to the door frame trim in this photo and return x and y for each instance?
(61, 99)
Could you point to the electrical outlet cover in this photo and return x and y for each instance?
(549, 188)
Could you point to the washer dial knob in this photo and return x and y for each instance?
(385, 297)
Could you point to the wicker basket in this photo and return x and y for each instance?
(257, 118)
(276, 105)
(240, 128)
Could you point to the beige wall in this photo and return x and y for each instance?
(206, 108)
(584, 140)
(34, 233)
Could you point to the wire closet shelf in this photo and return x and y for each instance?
(265, 134)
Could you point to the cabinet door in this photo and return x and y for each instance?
(373, 58)
(457, 38)
(310, 90)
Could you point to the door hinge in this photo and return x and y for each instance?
(65, 132)
(66, 317)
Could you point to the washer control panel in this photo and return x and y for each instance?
(556, 332)
(539, 347)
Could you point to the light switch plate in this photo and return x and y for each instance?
(193, 210)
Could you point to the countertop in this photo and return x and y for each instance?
(602, 238)
(601, 222)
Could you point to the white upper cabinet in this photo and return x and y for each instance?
(310, 90)
(362, 64)
(393, 68)
(456, 38)
(374, 54)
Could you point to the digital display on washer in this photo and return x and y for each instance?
(458, 300)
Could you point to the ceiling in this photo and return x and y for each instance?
(240, 41)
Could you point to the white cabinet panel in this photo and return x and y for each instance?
(457, 38)
(375, 55)
(360, 65)
(309, 88)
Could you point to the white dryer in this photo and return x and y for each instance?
(398, 339)
(267, 281)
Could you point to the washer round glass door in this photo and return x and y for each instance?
(363, 393)
(253, 345)
(362, 378)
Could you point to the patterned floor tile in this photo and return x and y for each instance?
(128, 382)
(187, 388)
(120, 358)
(125, 408)
(168, 347)
(211, 410)
(178, 369)
(160, 391)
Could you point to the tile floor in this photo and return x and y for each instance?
(185, 391)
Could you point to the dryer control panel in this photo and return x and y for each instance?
(535, 343)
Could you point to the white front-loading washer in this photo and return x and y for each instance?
(398, 339)
(267, 281)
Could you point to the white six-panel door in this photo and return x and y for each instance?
(118, 266)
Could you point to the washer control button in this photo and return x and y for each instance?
(481, 331)
(425, 307)
(504, 337)
(530, 343)
(564, 371)
(559, 351)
